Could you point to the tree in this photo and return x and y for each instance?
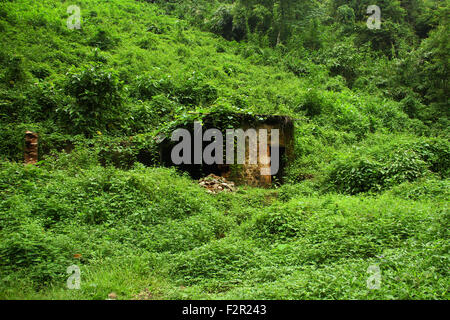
(435, 70)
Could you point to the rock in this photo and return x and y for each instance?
(215, 184)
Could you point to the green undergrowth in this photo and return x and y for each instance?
(367, 186)
(154, 228)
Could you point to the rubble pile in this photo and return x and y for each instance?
(215, 184)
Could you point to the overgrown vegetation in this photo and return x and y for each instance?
(368, 186)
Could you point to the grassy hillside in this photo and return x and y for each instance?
(369, 184)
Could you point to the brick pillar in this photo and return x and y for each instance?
(265, 180)
(31, 147)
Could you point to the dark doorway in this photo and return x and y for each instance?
(278, 178)
(195, 171)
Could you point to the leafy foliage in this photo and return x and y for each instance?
(368, 185)
(98, 97)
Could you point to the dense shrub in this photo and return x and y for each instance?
(403, 166)
(15, 71)
(146, 86)
(192, 90)
(218, 260)
(436, 153)
(423, 189)
(388, 166)
(103, 40)
(195, 91)
(38, 254)
(98, 98)
(354, 175)
(313, 103)
(278, 222)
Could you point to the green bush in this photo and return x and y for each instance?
(195, 91)
(98, 98)
(103, 40)
(312, 103)
(38, 254)
(218, 260)
(436, 153)
(15, 71)
(403, 166)
(388, 165)
(277, 222)
(146, 86)
(423, 189)
(355, 175)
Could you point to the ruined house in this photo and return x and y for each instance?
(247, 173)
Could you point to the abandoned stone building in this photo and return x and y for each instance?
(249, 172)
